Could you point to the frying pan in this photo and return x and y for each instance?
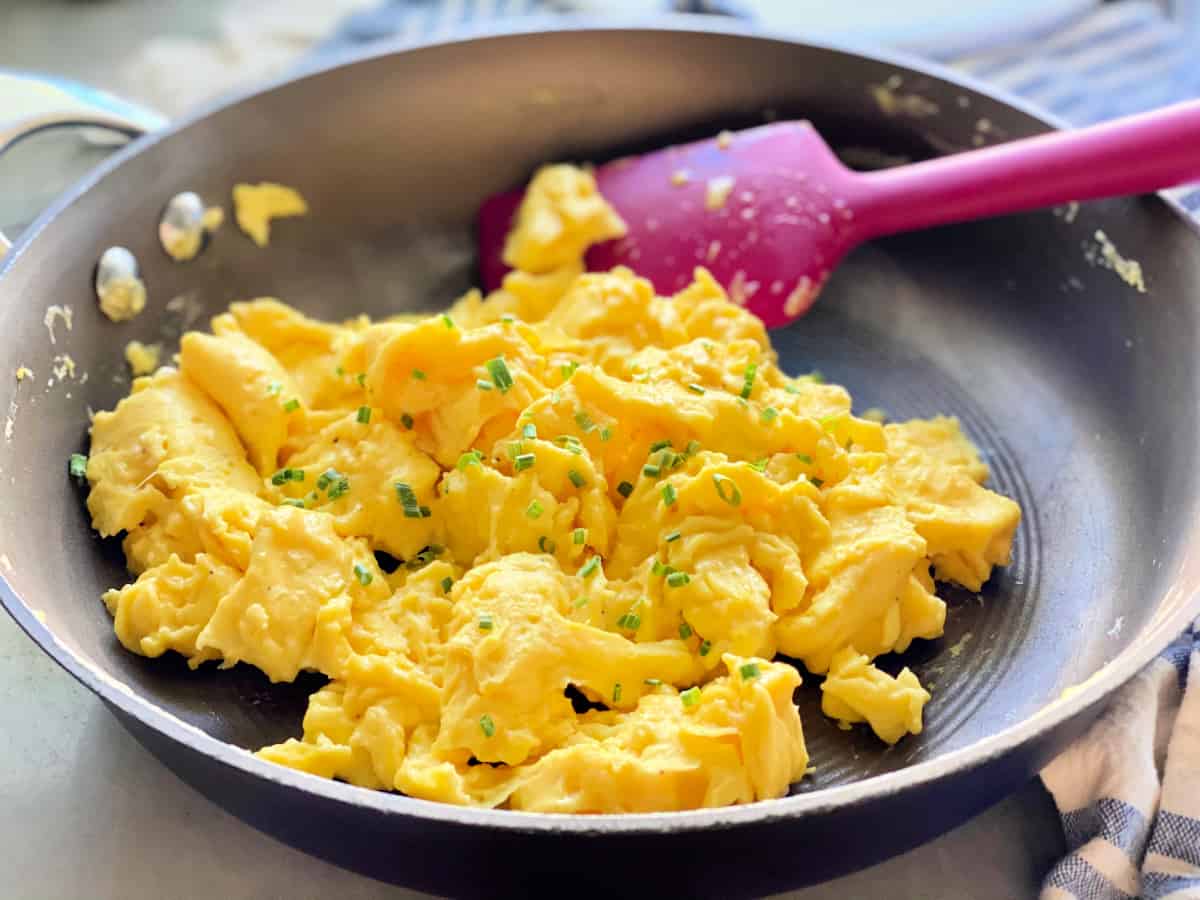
(1081, 392)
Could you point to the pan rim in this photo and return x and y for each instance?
(1182, 607)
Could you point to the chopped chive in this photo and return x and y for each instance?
(624, 488)
(447, 321)
(361, 378)
(672, 537)
(815, 376)
(570, 442)
(340, 487)
(483, 385)
(584, 421)
(759, 465)
(650, 470)
(727, 489)
(685, 631)
(529, 432)
(568, 369)
(791, 388)
(659, 568)
(690, 697)
(425, 512)
(283, 476)
(515, 449)
(692, 448)
(274, 388)
(589, 568)
(470, 458)
(652, 682)
(363, 574)
(695, 389)
(581, 602)
(419, 375)
(630, 621)
(406, 420)
(534, 509)
(805, 458)
(617, 692)
(555, 396)
(668, 494)
(579, 536)
(408, 500)
(523, 461)
(831, 421)
(291, 406)
(501, 377)
(817, 482)
(485, 623)
(293, 501)
(705, 646)
(447, 583)
(606, 433)
(748, 671)
(507, 320)
(546, 545)
(576, 478)
(339, 371)
(486, 725)
(659, 445)
(364, 414)
(748, 380)
(678, 579)
(769, 414)
(326, 477)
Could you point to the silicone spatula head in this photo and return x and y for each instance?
(766, 211)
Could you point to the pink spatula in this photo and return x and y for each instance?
(771, 211)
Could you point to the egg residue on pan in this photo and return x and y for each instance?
(545, 546)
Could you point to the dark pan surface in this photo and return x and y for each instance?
(1081, 392)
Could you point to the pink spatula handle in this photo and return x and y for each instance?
(1141, 153)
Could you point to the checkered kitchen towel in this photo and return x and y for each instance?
(1129, 790)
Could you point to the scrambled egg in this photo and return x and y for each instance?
(142, 358)
(546, 546)
(255, 205)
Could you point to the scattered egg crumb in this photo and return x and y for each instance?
(718, 192)
(39, 614)
(1129, 270)
(800, 298)
(957, 649)
(1117, 626)
(255, 205)
(62, 368)
(57, 312)
(680, 177)
(1071, 212)
(142, 358)
(6, 562)
(214, 218)
(23, 372)
(892, 104)
(725, 140)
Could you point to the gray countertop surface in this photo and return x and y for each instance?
(86, 811)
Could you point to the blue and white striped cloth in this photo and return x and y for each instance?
(1129, 790)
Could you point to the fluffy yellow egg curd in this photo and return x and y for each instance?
(611, 510)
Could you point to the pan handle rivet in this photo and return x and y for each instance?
(121, 293)
(184, 224)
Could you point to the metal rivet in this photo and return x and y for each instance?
(121, 293)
